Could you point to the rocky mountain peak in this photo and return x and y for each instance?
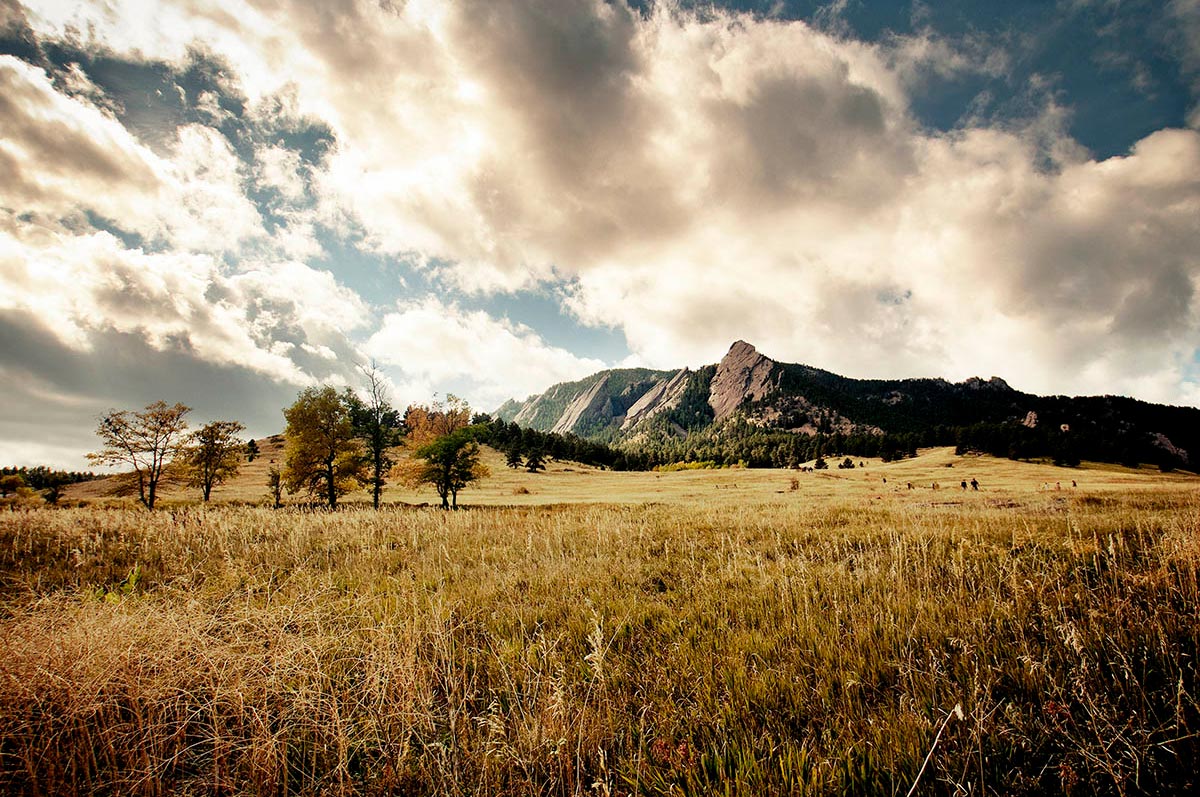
(740, 350)
(742, 375)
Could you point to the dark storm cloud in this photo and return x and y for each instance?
(569, 68)
(62, 391)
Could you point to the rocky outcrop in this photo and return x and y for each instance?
(995, 383)
(533, 407)
(590, 404)
(1160, 440)
(742, 375)
(664, 395)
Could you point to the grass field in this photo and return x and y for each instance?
(703, 632)
(572, 483)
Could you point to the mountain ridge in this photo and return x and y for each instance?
(631, 407)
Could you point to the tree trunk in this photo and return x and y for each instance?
(330, 483)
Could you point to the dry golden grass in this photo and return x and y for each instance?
(572, 483)
(728, 635)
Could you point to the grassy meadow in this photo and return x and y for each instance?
(588, 632)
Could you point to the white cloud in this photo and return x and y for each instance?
(436, 343)
(210, 211)
(80, 287)
(280, 168)
(697, 176)
(63, 157)
(60, 155)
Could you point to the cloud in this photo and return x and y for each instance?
(142, 268)
(1186, 15)
(436, 343)
(83, 286)
(62, 156)
(693, 176)
(62, 390)
(59, 154)
(87, 325)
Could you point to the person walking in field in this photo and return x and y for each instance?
(964, 484)
(974, 484)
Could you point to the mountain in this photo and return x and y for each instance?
(748, 395)
(587, 407)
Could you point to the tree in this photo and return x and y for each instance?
(275, 484)
(10, 484)
(145, 441)
(321, 455)
(449, 463)
(213, 455)
(251, 450)
(377, 424)
(53, 489)
(22, 494)
(427, 422)
(513, 458)
(535, 460)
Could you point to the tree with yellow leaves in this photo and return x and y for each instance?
(443, 451)
(322, 454)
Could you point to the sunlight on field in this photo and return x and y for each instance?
(569, 483)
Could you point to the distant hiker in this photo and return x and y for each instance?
(964, 484)
(974, 484)
(885, 479)
(1073, 484)
(1058, 485)
(910, 485)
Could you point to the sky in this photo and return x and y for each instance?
(222, 203)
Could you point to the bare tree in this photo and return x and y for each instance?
(378, 424)
(145, 441)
